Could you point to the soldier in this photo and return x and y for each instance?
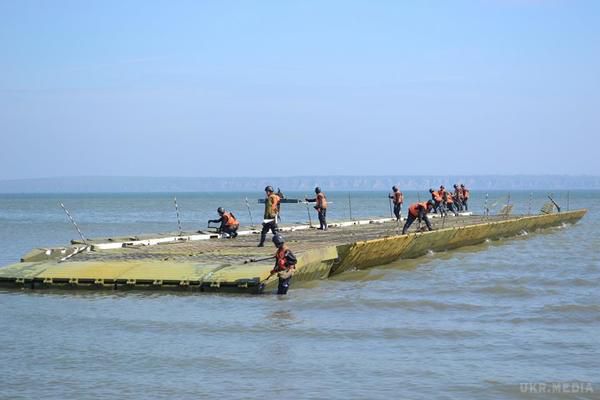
(285, 264)
(438, 201)
(270, 215)
(458, 198)
(418, 211)
(465, 194)
(229, 224)
(397, 198)
(321, 207)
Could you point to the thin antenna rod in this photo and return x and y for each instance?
(178, 218)
(74, 223)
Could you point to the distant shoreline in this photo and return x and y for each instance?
(296, 184)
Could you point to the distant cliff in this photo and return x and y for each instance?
(299, 183)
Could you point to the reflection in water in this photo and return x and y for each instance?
(281, 316)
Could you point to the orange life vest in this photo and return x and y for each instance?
(321, 201)
(436, 196)
(465, 193)
(398, 197)
(230, 220)
(275, 200)
(449, 199)
(281, 261)
(414, 208)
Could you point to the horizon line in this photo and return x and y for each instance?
(297, 176)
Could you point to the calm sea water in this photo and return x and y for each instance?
(497, 320)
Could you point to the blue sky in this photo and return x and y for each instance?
(281, 88)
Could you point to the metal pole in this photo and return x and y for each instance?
(350, 206)
(391, 212)
(75, 224)
(529, 205)
(486, 209)
(249, 212)
(419, 200)
(308, 212)
(568, 200)
(553, 202)
(178, 218)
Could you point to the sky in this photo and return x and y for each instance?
(287, 88)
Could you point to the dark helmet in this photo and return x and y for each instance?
(431, 190)
(462, 185)
(317, 190)
(455, 185)
(442, 187)
(430, 203)
(220, 210)
(394, 188)
(269, 189)
(278, 240)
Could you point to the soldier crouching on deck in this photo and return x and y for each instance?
(285, 264)
(418, 211)
(229, 224)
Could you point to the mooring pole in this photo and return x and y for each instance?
(486, 209)
(350, 206)
(178, 218)
(568, 200)
(249, 212)
(529, 205)
(308, 212)
(74, 223)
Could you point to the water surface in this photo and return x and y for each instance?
(472, 323)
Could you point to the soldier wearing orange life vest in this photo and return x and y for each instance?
(285, 264)
(321, 207)
(438, 201)
(465, 195)
(398, 199)
(418, 211)
(458, 198)
(229, 224)
(270, 216)
(450, 203)
(281, 196)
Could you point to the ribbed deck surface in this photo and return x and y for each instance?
(209, 264)
(243, 248)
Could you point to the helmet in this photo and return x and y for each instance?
(462, 185)
(442, 187)
(430, 203)
(278, 240)
(455, 185)
(220, 210)
(431, 190)
(317, 190)
(269, 189)
(394, 188)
